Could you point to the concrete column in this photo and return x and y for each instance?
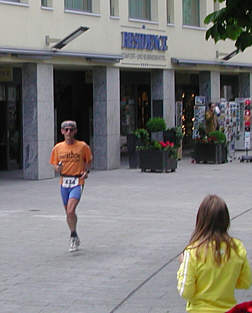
(163, 90)
(106, 113)
(244, 85)
(38, 120)
(209, 85)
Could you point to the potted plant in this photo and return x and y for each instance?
(158, 156)
(211, 148)
(175, 135)
(156, 127)
(139, 137)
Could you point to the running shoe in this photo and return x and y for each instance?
(74, 244)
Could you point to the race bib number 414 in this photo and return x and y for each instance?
(70, 182)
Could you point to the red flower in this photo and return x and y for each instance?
(166, 144)
(245, 307)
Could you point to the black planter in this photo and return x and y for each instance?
(132, 142)
(210, 153)
(155, 160)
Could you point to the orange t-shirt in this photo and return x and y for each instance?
(74, 158)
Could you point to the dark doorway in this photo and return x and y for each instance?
(229, 87)
(73, 100)
(135, 93)
(10, 126)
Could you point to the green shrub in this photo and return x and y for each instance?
(142, 134)
(174, 135)
(156, 124)
(219, 136)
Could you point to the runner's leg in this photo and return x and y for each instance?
(73, 200)
(71, 215)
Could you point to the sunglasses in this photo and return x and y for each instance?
(69, 129)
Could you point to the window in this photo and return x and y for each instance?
(170, 11)
(191, 12)
(114, 8)
(46, 3)
(79, 5)
(21, 2)
(140, 9)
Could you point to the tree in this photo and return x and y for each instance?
(234, 22)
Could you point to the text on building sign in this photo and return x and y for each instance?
(144, 41)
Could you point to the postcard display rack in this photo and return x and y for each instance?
(234, 119)
(229, 122)
(245, 111)
(199, 115)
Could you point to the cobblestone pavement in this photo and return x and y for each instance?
(131, 224)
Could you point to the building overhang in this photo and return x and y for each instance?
(49, 54)
(189, 62)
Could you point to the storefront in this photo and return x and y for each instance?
(227, 86)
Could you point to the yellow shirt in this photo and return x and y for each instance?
(74, 158)
(209, 288)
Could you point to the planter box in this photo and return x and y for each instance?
(210, 153)
(132, 143)
(155, 160)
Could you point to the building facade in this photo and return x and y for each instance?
(108, 64)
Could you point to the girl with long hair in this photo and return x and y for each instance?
(213, 264)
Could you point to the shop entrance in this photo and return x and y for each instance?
(73, 100)
(187, 87)
(10, 127)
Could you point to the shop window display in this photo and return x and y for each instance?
(134, 111)
(188, 118)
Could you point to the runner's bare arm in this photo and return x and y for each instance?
(58, 167)
(84, 174)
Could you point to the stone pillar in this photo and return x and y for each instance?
(244, 85)
(209, 85)
(163, 94)
(106, 113)
(38, 120)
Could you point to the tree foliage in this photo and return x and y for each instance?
(234, 22)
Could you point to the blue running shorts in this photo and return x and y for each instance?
(74, 192)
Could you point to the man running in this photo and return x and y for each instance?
(72, 159)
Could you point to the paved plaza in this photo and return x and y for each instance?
(132, 226)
